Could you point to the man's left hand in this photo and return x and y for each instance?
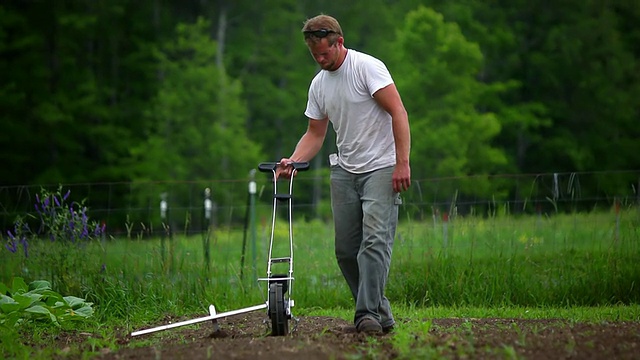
(401, 178)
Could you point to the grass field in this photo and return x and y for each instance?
(582, 260)
(505, 265)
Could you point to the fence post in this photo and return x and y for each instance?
(164, 215)
(249, 225)
(208, 221)
(252, 219)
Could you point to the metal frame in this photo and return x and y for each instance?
(289, 303)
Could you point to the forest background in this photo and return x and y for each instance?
(137, 91)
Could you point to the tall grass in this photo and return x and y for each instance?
(577, 260)
(535, 261)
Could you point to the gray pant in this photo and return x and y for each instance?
(365, 215)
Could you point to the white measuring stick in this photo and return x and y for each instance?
(213, 316)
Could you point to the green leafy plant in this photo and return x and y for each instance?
(54, 239)
(37, 303)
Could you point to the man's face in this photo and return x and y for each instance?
(325, 55)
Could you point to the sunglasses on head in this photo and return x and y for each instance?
(322, 33)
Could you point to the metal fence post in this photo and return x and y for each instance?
(208, 221)
(252, 219)
(164, 215)
(249, 225)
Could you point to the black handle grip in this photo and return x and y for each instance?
(271, 166)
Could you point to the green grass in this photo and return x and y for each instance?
(574, 314)
(566, 265)
(574, 260)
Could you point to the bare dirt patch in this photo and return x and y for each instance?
(246, 337)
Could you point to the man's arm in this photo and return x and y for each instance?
(311, 142)
(308, 146)
(389, 99)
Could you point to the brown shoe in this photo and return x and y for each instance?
(369, 326)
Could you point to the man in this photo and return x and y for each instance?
(356, 93)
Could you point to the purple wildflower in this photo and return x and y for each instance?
(71, 233)
(66, 195)
(11, 246)
(25, 246)
(99, 228)
(85, 230)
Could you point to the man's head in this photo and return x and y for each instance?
(323, 36)
(320, 27)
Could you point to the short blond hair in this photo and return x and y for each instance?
(321, 22)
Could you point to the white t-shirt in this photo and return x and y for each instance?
(364, 134)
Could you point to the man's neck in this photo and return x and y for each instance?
(342, 57)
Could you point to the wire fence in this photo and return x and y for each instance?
(191, 207)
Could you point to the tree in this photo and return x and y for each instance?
(196, 120)
(589, 79)
(436, 71)
(270, 58)
(17, 144)
(73, 79)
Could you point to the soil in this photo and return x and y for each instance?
(247, 336)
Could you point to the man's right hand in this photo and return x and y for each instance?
(284, 168)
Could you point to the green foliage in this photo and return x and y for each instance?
(438, 65)
(501, 266)
(52, 241)
(405, 341)
(268, 56)
(547, 87)
(29, 312)
(525, 261)
(575, 74)
(98, 92)
(505, 260)
(37, 303)
(597, 56)
(196, 120)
